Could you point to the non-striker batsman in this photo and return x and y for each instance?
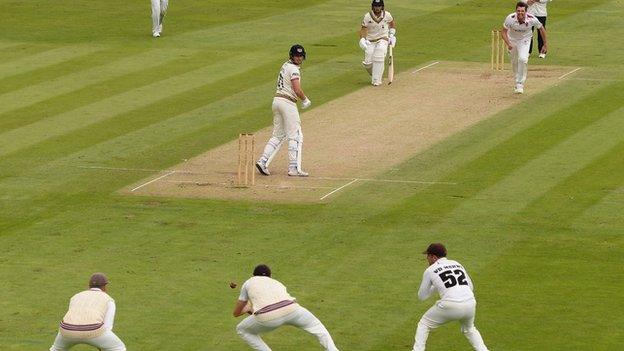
(376, 33)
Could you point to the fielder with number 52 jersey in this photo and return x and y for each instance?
(457, 302)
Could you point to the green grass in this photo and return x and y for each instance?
(535, 214)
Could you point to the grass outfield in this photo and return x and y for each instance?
(535, 216)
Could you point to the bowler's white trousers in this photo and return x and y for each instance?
(251, 328)
(159, 9)
(105, 342)
(519, 56)
(445, 311)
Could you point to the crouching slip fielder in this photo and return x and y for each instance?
(89, 319)
(457, 301)
(270, 307)
(376, 32)
(286, 121)
(159, 9)
(517, 34)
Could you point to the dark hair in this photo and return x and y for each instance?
(522, 4)
(436, 249)
(262, 270)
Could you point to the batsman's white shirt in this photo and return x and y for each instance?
(288, 73)
(521, 31)
(377, 27)
(449, 278)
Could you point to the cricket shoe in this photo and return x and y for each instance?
(262, 168)
(376, 84)
(542, 56)
(519, 89)
(297, 173)
(156, 35)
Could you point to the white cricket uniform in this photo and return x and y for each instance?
(520, 35)
(97, 332)
(286, 120)
(457, 302)
(272, 308)
(377, 32)
(538, 8)
(159, 9)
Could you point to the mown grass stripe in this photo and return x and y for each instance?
(43, 59)
(57, 125)
(510, 155)
(71, 66)
(74, 81)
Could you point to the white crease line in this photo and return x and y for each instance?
(321, 178)
(122, 169)
(342, 187)
(153, 180)
(427, 66)
(567, 74)
(255, 186)
(388, 180)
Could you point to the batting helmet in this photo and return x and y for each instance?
(297, 50)
(377, 3)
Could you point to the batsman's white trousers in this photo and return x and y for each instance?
(519, 56)
(374, 57)
(105, 342)
(251, 328)
(159, 9)
(446, 311)
(286, 126)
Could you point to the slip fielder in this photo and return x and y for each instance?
(377, 31)
(517, 33)
(457, 302)
(286, 120)
(270, 306)
(159, 9)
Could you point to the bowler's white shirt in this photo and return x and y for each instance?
(432, 281)
(520, 31)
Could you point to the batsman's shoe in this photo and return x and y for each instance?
(262, 168)
(519, 89)
(297, 173)
(156, 34)
(376, 84)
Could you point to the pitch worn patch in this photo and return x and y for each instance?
(359, 136)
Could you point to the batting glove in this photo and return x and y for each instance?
(364, 43)
(392, 41)
(306, 103)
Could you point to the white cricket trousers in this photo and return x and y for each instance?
(159, 9)
(286, 126)
(105, 342)
(374, 56)
(519, 56)
(446, 311)
(251, 328)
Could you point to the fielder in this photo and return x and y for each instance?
(376, 33)
(270, 306)
(457, 301)
(517, 34)
(89, 319)
(159, 10)
(286, 121)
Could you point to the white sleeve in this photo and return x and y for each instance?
(243, 293)
(426, 287)
(505, 23)
(109, 318)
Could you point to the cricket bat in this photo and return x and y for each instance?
(390, 65)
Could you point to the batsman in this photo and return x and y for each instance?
(377, 32)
